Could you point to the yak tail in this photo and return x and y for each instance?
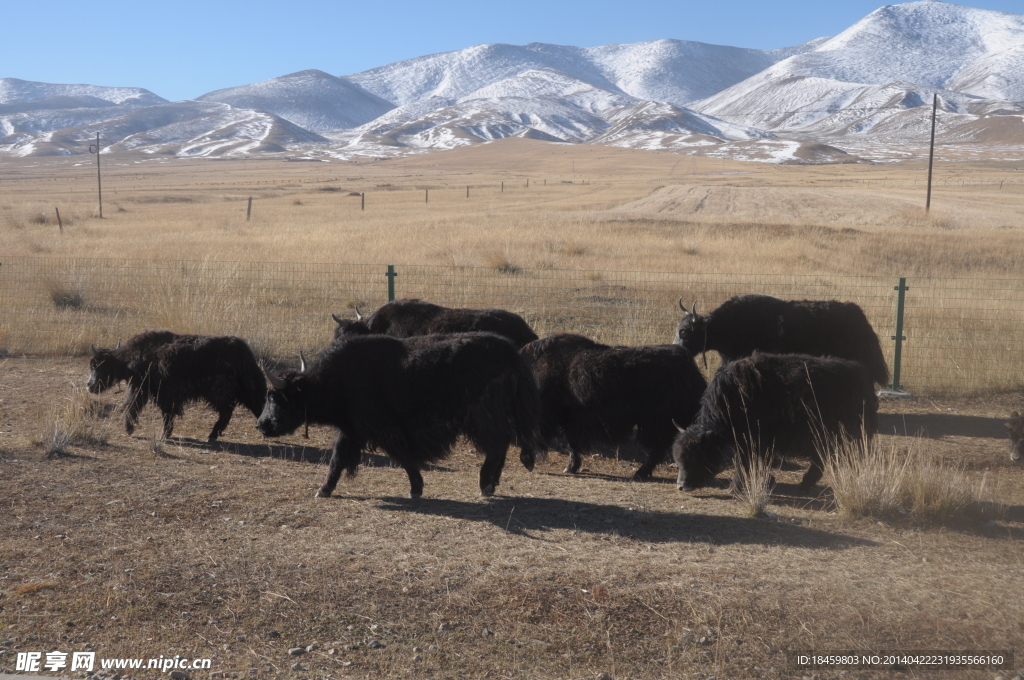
(872, 359)
(526, 409)
(508, 410)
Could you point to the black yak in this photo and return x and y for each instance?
(407, 318)
(175, 370)
(1015, 426)
(746, 323)
(411, 398)
(596, 394)
(786, 404)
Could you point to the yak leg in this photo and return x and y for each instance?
(811, 477)
(494, 463)
(415, 481)
(658, 445)
(133, 403)
(528, 457)
(224, 413)
(575, 461)
(168, 424)
(346, 455)
(578, 440)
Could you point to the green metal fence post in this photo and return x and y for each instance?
(391, 282)
(899, 338)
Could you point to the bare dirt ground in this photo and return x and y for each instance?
(221, 552)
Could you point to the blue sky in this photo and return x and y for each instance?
(184, 48)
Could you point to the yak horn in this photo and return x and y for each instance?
(681, 429)
(681, 305)
(693, 309)
(93, 348)
(336, 319)
(359, 317)
(118, 345)
(274, 381)
(302, 362)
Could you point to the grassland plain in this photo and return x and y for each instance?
(137, 547)
(535, 213)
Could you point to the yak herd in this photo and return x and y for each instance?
(413, 377)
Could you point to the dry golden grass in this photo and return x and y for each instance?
(900, 481)
(74, 419)
(637, 211)
(33, 587)
(756, 483)
(553, 251)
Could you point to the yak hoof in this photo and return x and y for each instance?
(322, 494)
(129, 429)
(570, 470)
(684, 487)
(642, 476)
(414, 494)
(487, 490)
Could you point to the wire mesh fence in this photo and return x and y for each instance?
(962, 335)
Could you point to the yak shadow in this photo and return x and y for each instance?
(588, 474)
(939, 425)
(528, 516)
(290, 452)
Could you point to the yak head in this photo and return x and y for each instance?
(285, 408)
(700, 455)
(348, 327)
(691, 333)
(1016, 427)
(106, 369)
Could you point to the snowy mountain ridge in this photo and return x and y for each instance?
(871, 83)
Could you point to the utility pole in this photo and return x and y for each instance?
(95, 148)
(931, 154)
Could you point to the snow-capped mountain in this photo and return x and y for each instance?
(182, 128)
(15, 91)
(311, 99)
(675, 71)
(893, 60)
(558, 93)
(874, 82)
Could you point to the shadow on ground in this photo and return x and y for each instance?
(939, 425)
(299, 454)
(532, 516)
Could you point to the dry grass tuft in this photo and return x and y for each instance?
(986, 503)
(756, 484)
(56, 437)
(865, 484)
(34, 587)
(936, 493)
(892, 482)
(157, 444)
(500, 261)
(66, 293)
(75, 420)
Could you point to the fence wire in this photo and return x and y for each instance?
(962, 335)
